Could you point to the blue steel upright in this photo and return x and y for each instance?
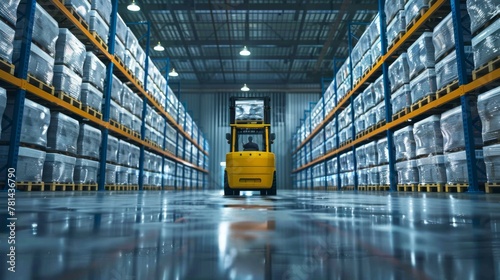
(463, 78)
(22, 73)
(167, 67)
(387, 100)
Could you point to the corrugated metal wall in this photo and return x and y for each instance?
(211, 112)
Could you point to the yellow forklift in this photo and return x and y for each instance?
(250, 164)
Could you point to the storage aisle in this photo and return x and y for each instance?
(295, 235)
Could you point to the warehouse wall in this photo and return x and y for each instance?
(211, 112)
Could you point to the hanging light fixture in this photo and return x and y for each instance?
(173, 73)
(159, 47)
(245, 51)
(245, 88)
(133, 7)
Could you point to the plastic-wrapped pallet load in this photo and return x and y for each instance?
(141, 59)
(392, 7)
(91, 96)
(125, 118)
(456, 167)
(396, 27)
(40, 65)
(147, 134)
(136, 124)
(374, 29)
(401, 99)
(58, 168)
(373, 176)
(492, 161)
(124, 151)
(481, 11)
(488, 107)
(133, 176)
(349, 176)
(421, 54)
(82, 7)
(361, 157)
(29, 164)
(404, 143)
(94, 71)
(121, 29)
(413, 9)
(359, 124)
(114, 111)
(432, 170)
(103, 7)
(112, 149)
(8, 11)
(443, 36)
(376, 50)
(67, 81)
(134, 156)
(85, 171)
(6, 41)
(62, 134)
(111, 174)
(371, 154)
(139, 72)
(366, 62)
(384, 176)
(428, 136)
(358, 106)
(446, 69)
(45, 29)
(399, 72)
(89, 141)
(131, 43)
(423, 85)
(378, 89)
(127, 96)
(369, 98)
(121, 175)
(380, 112)
(407, 172)
(453, 130)
(120, 49)
(70, 51)
(363, 177)
(116, 89)
(3, 104)
(486, 45)
(98, 25)
(371, 117)
(36, 121)
(382, 151)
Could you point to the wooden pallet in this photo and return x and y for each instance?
(360, 134)
(112, 187)
(92, 111)
(86, 187)
(68, 99)
(401, 113)
(99, 40)
(372, 188)
(491, 187)
(152, 188)
(380, 124)
(487, 68)
(420, 14)
(422, 102)
(39, 84)
(348, 188)
(396, 40)
(407, 187)
(30, 186)
(7, 66)
(56, 186)
(383, 187)
(362, 188)
(430, 187)
(456, 187)
(447, 89)
(346, 143)
(120, 61)
(115, 124)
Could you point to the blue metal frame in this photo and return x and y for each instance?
(387, 100)
(21, 72)
(463, 78)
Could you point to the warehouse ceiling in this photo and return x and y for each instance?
(292, 42)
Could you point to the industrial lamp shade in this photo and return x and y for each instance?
(245, 88)
(245, 51)
(133, 7)
(173, 73)
(159, 47)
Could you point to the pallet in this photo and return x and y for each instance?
(348, 188)
(401, 113)
(487, 68)
(456, 187)
(99, 40)
(430, 187)
(39, 84)
(30, 186)
(120, 61)
(380, 124)
(86, 187)
(407, 187)
(91, 111)
(56, 186)
(362, 188)
(396, 40)
(372, 188)
(346, 143)
(115, 124)
(7, 66)
(420, 14)
(68, 99)
(332, 189)
(447, 89)
(422, 102)
(383, 187)
(489, 187)
(152, 188)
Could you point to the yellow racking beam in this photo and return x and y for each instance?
(375, 68)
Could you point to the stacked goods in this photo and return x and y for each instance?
(29, 164)
(452, 129)
(456, 167)
(407, 172)
(89, 142)
(492, 161)
(486, 44)
(35, 123)
(85, 171)
(428, 137)
(62, 135)
(404, 143)
(488, 107)
(58, 168)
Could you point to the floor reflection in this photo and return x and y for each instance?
(296, 235)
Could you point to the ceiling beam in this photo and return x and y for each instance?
(279, 7)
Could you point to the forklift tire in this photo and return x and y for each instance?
(227, 189)
(272, 190)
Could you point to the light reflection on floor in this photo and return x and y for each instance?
(295, 235)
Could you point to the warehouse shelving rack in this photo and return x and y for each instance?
(21, 84)
(461, 95)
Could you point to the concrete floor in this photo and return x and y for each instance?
(295, 235)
